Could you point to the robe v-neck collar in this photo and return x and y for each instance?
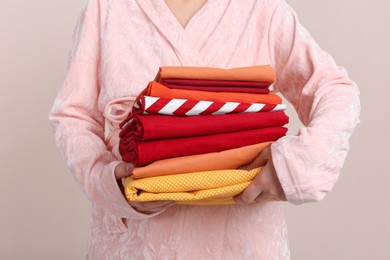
(183, 40)
(174, 19)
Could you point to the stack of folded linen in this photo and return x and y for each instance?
(192, 128)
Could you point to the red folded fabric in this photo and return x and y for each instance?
(146, 127)
(217, 85)
(143, 152)
(221, 89)
(185, 107)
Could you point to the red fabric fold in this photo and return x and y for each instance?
(144, 152)
(146, 127)
(217, 85)
(221, 89)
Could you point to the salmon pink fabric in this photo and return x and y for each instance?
(143, 152)
(146, 127)
(119, 46)
(224, 160)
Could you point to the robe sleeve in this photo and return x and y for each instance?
(327, 103)
(79, 125)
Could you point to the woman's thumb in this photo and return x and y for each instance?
(123, 170)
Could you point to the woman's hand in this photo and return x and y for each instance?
(266, 185)
(126, 169)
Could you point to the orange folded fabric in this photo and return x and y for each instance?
(263, 73)
(224, 160)
(156, 89)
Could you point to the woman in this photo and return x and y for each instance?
(119, 46)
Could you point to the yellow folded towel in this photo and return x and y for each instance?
(196, 188)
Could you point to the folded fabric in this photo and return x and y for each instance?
(263, 73)
(187, 107)
(221, 89)
(224, 160)
(221, 185)
(156, 89)
(146, 127)
(213, 83)
(143, 152)
(217, 85)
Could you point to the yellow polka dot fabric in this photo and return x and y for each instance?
(197, 188)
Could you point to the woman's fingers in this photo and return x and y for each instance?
(260, 160)
(255, 188)
(250, 194)
(263, 197)
(271, 183)
(151, 206)
(123, 170)
(264, 187)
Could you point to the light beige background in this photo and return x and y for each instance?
(45, 216)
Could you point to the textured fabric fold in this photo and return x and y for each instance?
(224, 160)
(221, 184)
(143, 152)
(146, 127)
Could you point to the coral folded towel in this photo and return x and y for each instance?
(217, 86)
(221, 185)
(144, 152)
(263, 73)
(146, 127)
(186, 107)
(156, 89)
(224, 160)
